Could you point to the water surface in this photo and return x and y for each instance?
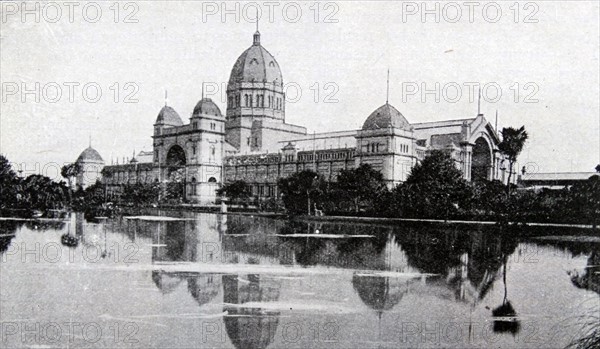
(230, 281)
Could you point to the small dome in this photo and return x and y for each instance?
(90, 155)
(386, 116)
(206, 107)
(255, 64)
(168, 117)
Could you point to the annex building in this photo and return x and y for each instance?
(252, 141)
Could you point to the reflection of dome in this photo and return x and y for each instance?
(250, 327)
(255, 64)
(168, 117)
(378, 292)
(206, 107)
(204, 287)
(90, 155)
(386, 116)
(166, 282)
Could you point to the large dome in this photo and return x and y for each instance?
(90, 155)
(256, 64)
(386, 116)
(206, 107)
(168, 117)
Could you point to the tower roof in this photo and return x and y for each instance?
(168, 117)
(256, 64)
(206, 107)
(90, 155)
(386, 116)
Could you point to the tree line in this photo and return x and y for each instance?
(435, 188)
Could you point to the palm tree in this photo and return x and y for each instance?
(513, 141)
(69, 171)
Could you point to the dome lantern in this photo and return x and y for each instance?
(256, 41)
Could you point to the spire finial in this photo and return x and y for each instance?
(387, 96)
(496, 126)
(257, 33)
(90, 140)
(479, 103)
(166, 97)
(257, 18)
(202, 89)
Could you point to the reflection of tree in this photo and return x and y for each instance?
(249, 327)
(590, 278)
(359, 253)
(45, 225)
(505, 316)
(7, 233)
(467, 262)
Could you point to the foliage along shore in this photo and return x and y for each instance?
(435, 189)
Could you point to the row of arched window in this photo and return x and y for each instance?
(257, 101)
(374, 147)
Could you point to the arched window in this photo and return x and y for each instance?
(246, 100)
(194, 182)
(212, 180)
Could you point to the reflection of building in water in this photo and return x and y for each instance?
(250, 327)
(168, 243)
(204, 287)
(383, 293)
(380, 293)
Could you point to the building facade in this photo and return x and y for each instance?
(254, 143)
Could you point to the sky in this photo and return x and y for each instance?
(537, 64)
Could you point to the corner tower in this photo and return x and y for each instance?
(254, 93)
(386, 142)
(91, 165)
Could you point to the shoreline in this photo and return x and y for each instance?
(337, 219)
(377, 220)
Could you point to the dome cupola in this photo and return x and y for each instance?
(168, 117)
(206, 107)
(255, 64)
(90, 155)
(386, 116)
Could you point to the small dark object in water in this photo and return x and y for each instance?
(69, 240)
(504, 311)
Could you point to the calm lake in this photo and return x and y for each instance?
(232, 281)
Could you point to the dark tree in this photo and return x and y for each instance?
(8, 184)
(69, 171)
(140, 194)
(361, 185)
(513, 141)
(301, 190)
(434, 187)
(237, 191)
